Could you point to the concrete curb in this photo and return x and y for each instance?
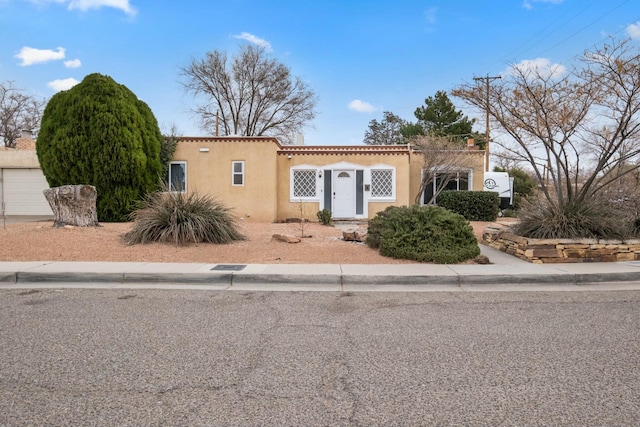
(301, 279)
(8, 278)
(357, 279)
(231, 279)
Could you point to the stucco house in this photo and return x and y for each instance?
(262, 180)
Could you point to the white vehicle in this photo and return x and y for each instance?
(501, 183)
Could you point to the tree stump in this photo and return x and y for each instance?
(73, 205)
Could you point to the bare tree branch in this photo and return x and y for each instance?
(576, 129)
(443, 159)
(18, 112)
(253, 95)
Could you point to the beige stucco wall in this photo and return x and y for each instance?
(20, 159)
(211, 173)
(288, 208)
(266, 193)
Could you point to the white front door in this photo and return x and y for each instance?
(344, 202)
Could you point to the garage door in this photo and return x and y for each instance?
(23, 192)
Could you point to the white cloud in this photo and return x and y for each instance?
(541, 66)
(528, 4)
(253, 39)
(30, 55)
(63, 84)
(73, 63)
(633, 30)
(361, 106)
(430, 15)
(84, 5)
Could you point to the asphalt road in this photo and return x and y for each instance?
(209, 358)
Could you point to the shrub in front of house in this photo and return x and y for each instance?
(473, 205)
(181, 219)
(99, 133)
(324, 216)
(423, 234)
(592, 218)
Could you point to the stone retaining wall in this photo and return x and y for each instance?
(547, 251)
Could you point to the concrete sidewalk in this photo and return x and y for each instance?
(505, 272)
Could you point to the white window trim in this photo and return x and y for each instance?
(316, 170)
(234, 173)
(391, 198)
(184, 163)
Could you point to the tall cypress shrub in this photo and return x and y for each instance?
(99, 133)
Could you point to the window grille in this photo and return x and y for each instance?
(382, 183)
(304, 183)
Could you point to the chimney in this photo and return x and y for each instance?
(471, 144)
(26, 134)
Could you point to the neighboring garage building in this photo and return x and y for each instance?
(22, 181)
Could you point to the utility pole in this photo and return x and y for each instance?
(487, 81)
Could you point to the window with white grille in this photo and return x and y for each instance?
(382, 183)
(304, 183)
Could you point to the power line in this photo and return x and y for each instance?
(587, 26)
(563, 40)
(532, 38)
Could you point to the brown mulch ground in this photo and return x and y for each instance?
(40, 241)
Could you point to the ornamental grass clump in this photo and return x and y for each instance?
(181, 218)
(591, 218)
(424, 234)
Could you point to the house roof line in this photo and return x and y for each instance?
(344, 149)
(399, 149)
(201, 139)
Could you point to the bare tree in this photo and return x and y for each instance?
(252, 95)
(578, 131)
(444, 159)
(18, 112)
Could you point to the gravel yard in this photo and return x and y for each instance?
(39, 241)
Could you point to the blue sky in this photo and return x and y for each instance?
(360, 57)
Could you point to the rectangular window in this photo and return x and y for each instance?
(177, 179)
(452, 181)
(382, 183)
(238, 173)
(304, 183)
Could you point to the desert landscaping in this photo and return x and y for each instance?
(40, 241)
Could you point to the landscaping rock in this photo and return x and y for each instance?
(359, 235)
(286, 238)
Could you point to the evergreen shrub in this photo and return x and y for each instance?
(99, 133)
(473, 205)
(424, 234)
(324, 216)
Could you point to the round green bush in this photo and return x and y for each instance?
(99, 133)
(424, 234)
